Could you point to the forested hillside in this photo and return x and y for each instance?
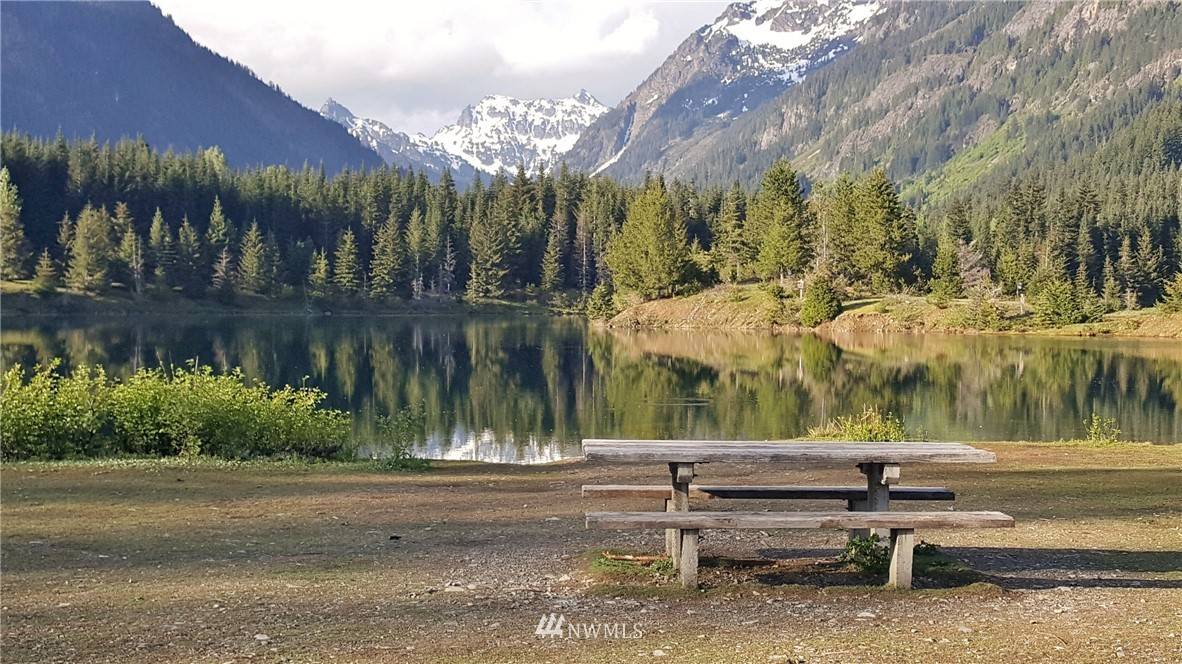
(953, 98)
(118, 69)
(160, 224)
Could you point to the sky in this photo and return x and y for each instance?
(415, 64)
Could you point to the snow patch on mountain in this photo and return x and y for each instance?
(500, 132)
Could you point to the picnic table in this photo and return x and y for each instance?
(868, 508)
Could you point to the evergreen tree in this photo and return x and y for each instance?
(488, 266)
(781, 223)
(554, 258)
(732, 247)
(220, 232)
(346, 273)
(131, 258)
(650, 255)
(447, 266)
(1110, 296)
(65, 235)
(418, 249)
(222, 281)
(319, 276)
(14, 249)
(90, 251)
(821, 301)
(189, 267)
(880, 226)
(946, 281)
(1171, 299)
(253, 272)
(45, 278)
(160, 250)
(386, 266)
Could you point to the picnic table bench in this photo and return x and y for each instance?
(867, 508)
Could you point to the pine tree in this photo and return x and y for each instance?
(14, 248)
(45, 278)
(346, 273)
(189, 266)
(731, 246)
(650, 255)
(1171, 299)
(222, 281)
(488, 267)
(319, 276)
(90, 251)
(131, 258)
(253, 276)
(160, 250)
(417, 249)
(65, 235)
(781, 222)
(1110, 296)
(880, 226)
(386, 266)
(946, 283)
(220, 232)
(554, 258)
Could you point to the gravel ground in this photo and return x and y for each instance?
(161, 562)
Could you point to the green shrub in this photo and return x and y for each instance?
(981, 313)
(867, 554)
(872, 425)
(1171, 299)
(821, 303)
(1102, 430)
(398, 434)
(186, 412)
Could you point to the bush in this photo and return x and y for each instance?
(1102, 430)
(981, 313)
(181, 412)
(821, 303)
(872, 425)
(867, 554)
(1171, 299)
(398, 434)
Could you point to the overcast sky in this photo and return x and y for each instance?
(415, 64)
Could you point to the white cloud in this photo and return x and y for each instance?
(412, 63)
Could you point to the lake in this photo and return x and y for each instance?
(527, 389)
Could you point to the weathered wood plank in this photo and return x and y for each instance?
(797, 520)
(902, 547)
(681, 475)
(705, 451)
(758, 492)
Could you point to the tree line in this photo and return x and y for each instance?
(97, 217)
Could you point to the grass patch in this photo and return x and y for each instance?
(610, 564)
(872, 424)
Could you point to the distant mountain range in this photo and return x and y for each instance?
(122, 69)
(498, 132)
(753, 52)
(943, 94)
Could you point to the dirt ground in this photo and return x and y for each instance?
(163, 562)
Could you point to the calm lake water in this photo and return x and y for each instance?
(527, 390)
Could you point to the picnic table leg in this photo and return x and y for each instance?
(879, 477)
(902, 546)
(688, 565)
(682, 474)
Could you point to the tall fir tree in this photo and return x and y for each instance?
(650, 255)
(161, 252)
(732, 247)
(90, 251)
(253, 275)
(346, 270)
(220, 232)
(385, 268)
(14, 248)
(189, 266)
(880, 225)
(319, 276)
(488, 268)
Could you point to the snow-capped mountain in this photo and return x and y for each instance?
(502, 132)
(498, 132)
(749, 55)
(397, 148)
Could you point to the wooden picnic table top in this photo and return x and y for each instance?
(798, 451)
